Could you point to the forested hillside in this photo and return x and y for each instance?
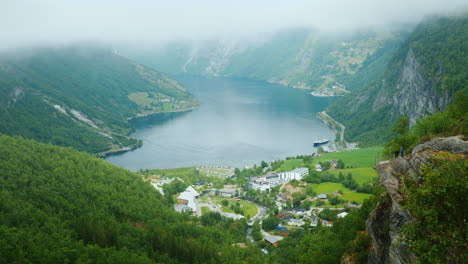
(64, 206)
(81, 96)
(59, 205)
(303, 58)
(422, 78)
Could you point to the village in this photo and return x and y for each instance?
(289, 197)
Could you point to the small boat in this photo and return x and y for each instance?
(319, 142)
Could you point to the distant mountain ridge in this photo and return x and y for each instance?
(82, 96)
(422, 77)
(301, 58)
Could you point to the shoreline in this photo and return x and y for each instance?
(156, 113)
(122, 150)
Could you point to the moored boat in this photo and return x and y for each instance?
(320, 142)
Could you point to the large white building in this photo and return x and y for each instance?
(296, 174)
(273, 179)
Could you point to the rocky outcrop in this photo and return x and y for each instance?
(385, 222)
(416, 94)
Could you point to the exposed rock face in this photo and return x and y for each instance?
(414, 95)
(385, 222)
(417, 95)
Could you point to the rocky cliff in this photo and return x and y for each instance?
(416, 96)
(422, 77)
(385, 223)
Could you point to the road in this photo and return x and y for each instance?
(336, 123)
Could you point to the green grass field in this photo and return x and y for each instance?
(330, 187)
(361, 175)
(142, 98)
(291, 164)
(358, 158)
(178, 172)
(355, 196)
(205, 210)
(250, 209)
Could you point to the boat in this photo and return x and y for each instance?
(319, 142)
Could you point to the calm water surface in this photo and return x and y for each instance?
(241, 122)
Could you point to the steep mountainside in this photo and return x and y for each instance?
(422, 214)
(422, 77)
(59, 205)
(81, 96)
(301, 58)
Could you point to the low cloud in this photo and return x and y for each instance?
(30, 22)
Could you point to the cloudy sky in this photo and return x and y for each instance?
(30, 22)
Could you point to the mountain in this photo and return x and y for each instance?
(82, 96)
(59, 205)
(301, 58)
(421, 78)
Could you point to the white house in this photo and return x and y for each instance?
(341, 215)
(322, 196)
(296, 222)
(188, 197)
(318, 167)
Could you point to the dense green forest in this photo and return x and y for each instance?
(79, 96)
(59, 205)
(439, 46)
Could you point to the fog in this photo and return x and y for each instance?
(26, 23)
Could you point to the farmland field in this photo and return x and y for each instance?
(361, 175)
(358, 158)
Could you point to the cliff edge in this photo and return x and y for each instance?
(385, 223)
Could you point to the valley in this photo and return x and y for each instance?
(233, 133)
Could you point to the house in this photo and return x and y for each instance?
(352, 206)
(273, 240)
(333, 163)
(326, 223)
(318, 167)
(296, 210)
(341, 215)
(283, 230)
(180, 208)
(287, 218)
(188, 198)
(199, 183)
(322, 196)
(187, 195)
(296, 222)
(282, 214)
(313, 220)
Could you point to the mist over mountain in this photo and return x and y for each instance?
(28, 23)
(389, 188)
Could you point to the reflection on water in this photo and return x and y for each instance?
(241, 122)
